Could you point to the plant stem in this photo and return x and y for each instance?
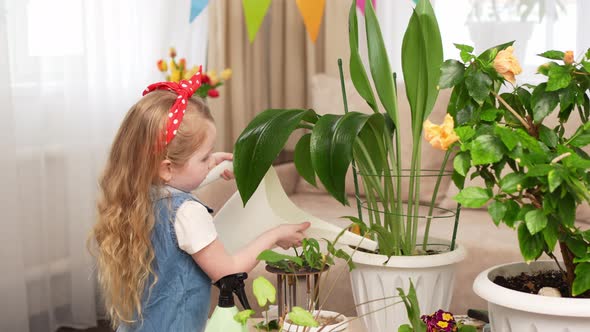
(523, 121)
(568, 260)
(433, 199)
(354, 173)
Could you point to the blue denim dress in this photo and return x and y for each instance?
(179, 301)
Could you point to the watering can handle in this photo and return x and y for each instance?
(216, 172)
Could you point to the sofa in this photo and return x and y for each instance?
(486, 243)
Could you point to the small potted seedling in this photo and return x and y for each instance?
(305, 268)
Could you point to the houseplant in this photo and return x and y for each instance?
(534, 170)
(373, 142)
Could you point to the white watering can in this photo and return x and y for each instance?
(269, 206)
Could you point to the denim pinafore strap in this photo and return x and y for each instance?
(179, 301)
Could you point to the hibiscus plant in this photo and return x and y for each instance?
(534, 170)
(371, 140)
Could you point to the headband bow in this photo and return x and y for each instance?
(184, 89)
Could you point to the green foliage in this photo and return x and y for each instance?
(535, 175)
(412, 308)
(373, 141)
(264, 291)
(302, 317)
(243, 316)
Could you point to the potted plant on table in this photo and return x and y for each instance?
(373, 141)
(535, 175)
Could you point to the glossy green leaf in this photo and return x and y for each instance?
(260, 143)
(422, 59)
(302, 317)
(270, 256)
(581, 137)
(559, 78)
(511, 215)
(473, 197)
(548, 136)
(465, 133)
(551, 234)
(405, 328)
(497, 211)
(508, 137)
(582, 280)
(479, 85)
(451, 73)
(412, 308)
(467, 328)
(486, 149)
(462, 163)
(358, 74)
(490, 54)
(509, 183)
(566, 211)
(555, 178)
(531, 246)
(243, 316)
(490, 114)
(552, 54)
(535, 221)
(543, 102)
(302, 159)
(379, 64)
(463, 47)
(332, 141)
(577, 246)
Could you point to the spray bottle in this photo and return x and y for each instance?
(222, 319)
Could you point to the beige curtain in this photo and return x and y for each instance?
(275, 70)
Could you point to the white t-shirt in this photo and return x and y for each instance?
(194, 227)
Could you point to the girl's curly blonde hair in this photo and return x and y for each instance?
(121, 237)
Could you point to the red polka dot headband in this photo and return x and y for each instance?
(184, 89)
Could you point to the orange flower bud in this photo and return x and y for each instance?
(182, 63)
(443, 136)
(568, 58)
(172, 52)
(162, 65)
(506, 64)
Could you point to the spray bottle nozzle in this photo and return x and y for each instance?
(230, 284)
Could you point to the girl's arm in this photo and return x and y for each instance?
(217, 263)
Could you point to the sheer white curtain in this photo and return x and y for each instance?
(69, 70)
(551, 24)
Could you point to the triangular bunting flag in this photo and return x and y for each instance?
(361, 5)
(312, 12)
(254, 12)
(197, 7)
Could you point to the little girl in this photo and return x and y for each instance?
(157, 248)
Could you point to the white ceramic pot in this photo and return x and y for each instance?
(432, 275)
(513, 311)
(340, 326)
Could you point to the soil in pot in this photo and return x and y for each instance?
(532, 283)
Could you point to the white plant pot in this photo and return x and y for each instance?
(432, 275)
(513, 311)
(340, 326)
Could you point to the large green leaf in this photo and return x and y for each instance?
(412, 308)
(260, 143)
(379, 64)
(422, 59)
(582, 281)
(510, 182)
(486, 149)
(535, 221)
(302, 159)
(451, 73)
(358, 74)
(531, 246)
(497, 211)
(479, 85)
(543, 102)
(473, 197)
(332, 140)
(462, 163)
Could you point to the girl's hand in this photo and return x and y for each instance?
(218, 157)
(291, 235)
